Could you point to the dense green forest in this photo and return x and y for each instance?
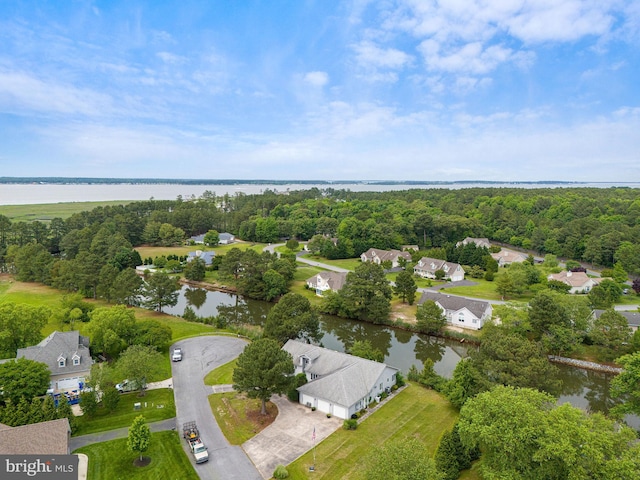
(597, 226)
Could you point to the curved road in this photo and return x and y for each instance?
(200, 356)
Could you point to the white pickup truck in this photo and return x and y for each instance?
(192, 435)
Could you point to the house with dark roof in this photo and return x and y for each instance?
(378, 256)
(206, 257)
(460, 311)
(338, 383)
(197, 239)
(579, 282)
(67, 356)
(633, 317)
(324, 281)
(226, 238)
(223, 239)
(427, 268)
(44, 438)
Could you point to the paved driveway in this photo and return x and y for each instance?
(201, 355)
(289, 436)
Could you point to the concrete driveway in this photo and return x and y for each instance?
(200, 356)
(289, 436)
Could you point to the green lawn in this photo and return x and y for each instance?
(46, 211)
(221, 375)
(239, 417)
(414, 412)
(123, 415)
(420, 282)
(113, 461)
(348, 263)
(147, 251)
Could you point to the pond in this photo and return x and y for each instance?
(582, 388)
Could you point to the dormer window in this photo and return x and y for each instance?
(62, 362)
(76, 359)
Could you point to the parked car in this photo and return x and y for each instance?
(176, 356)
(129, 386)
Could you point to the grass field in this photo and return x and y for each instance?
(414, 412)
(113, 461)
(221, 375)
(37, 294)
(239, 417)
(348, 263)
(123, 415)
(46, 211)
(148, 251)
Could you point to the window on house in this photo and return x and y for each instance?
(461, 317)
(76, 360)
(475, 320)
(61, 363)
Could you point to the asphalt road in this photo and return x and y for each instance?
(201, 355)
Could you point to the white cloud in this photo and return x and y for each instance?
(559, 21)
(475, 37)
(471, 58)
(371, 56)
(171, 58)
(317, 79)
(21, 93)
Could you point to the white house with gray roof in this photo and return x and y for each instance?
(480, 242)
(378, 256)
(460, 311)
(67, 356)
(339, 384)
(324, 281)
(427, 268)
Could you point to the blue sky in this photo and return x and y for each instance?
(503, 90)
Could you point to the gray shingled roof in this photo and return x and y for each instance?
(66, 344)
(633, 318)
(427, 264)
(335, 280)
(44, 438)
(344, 379)
(391, 255)
(452, 302)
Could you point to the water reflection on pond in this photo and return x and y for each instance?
(583, 388)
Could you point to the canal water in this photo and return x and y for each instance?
(582, 388)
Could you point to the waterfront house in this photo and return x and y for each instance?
(339, 384)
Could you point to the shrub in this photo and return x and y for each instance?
(280, 472)
(350, 424)
(328, 415)
(299, 380)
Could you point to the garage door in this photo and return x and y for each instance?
(68, 384)
(340, 412)
(324, 406)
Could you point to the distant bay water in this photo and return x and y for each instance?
(36, 193)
